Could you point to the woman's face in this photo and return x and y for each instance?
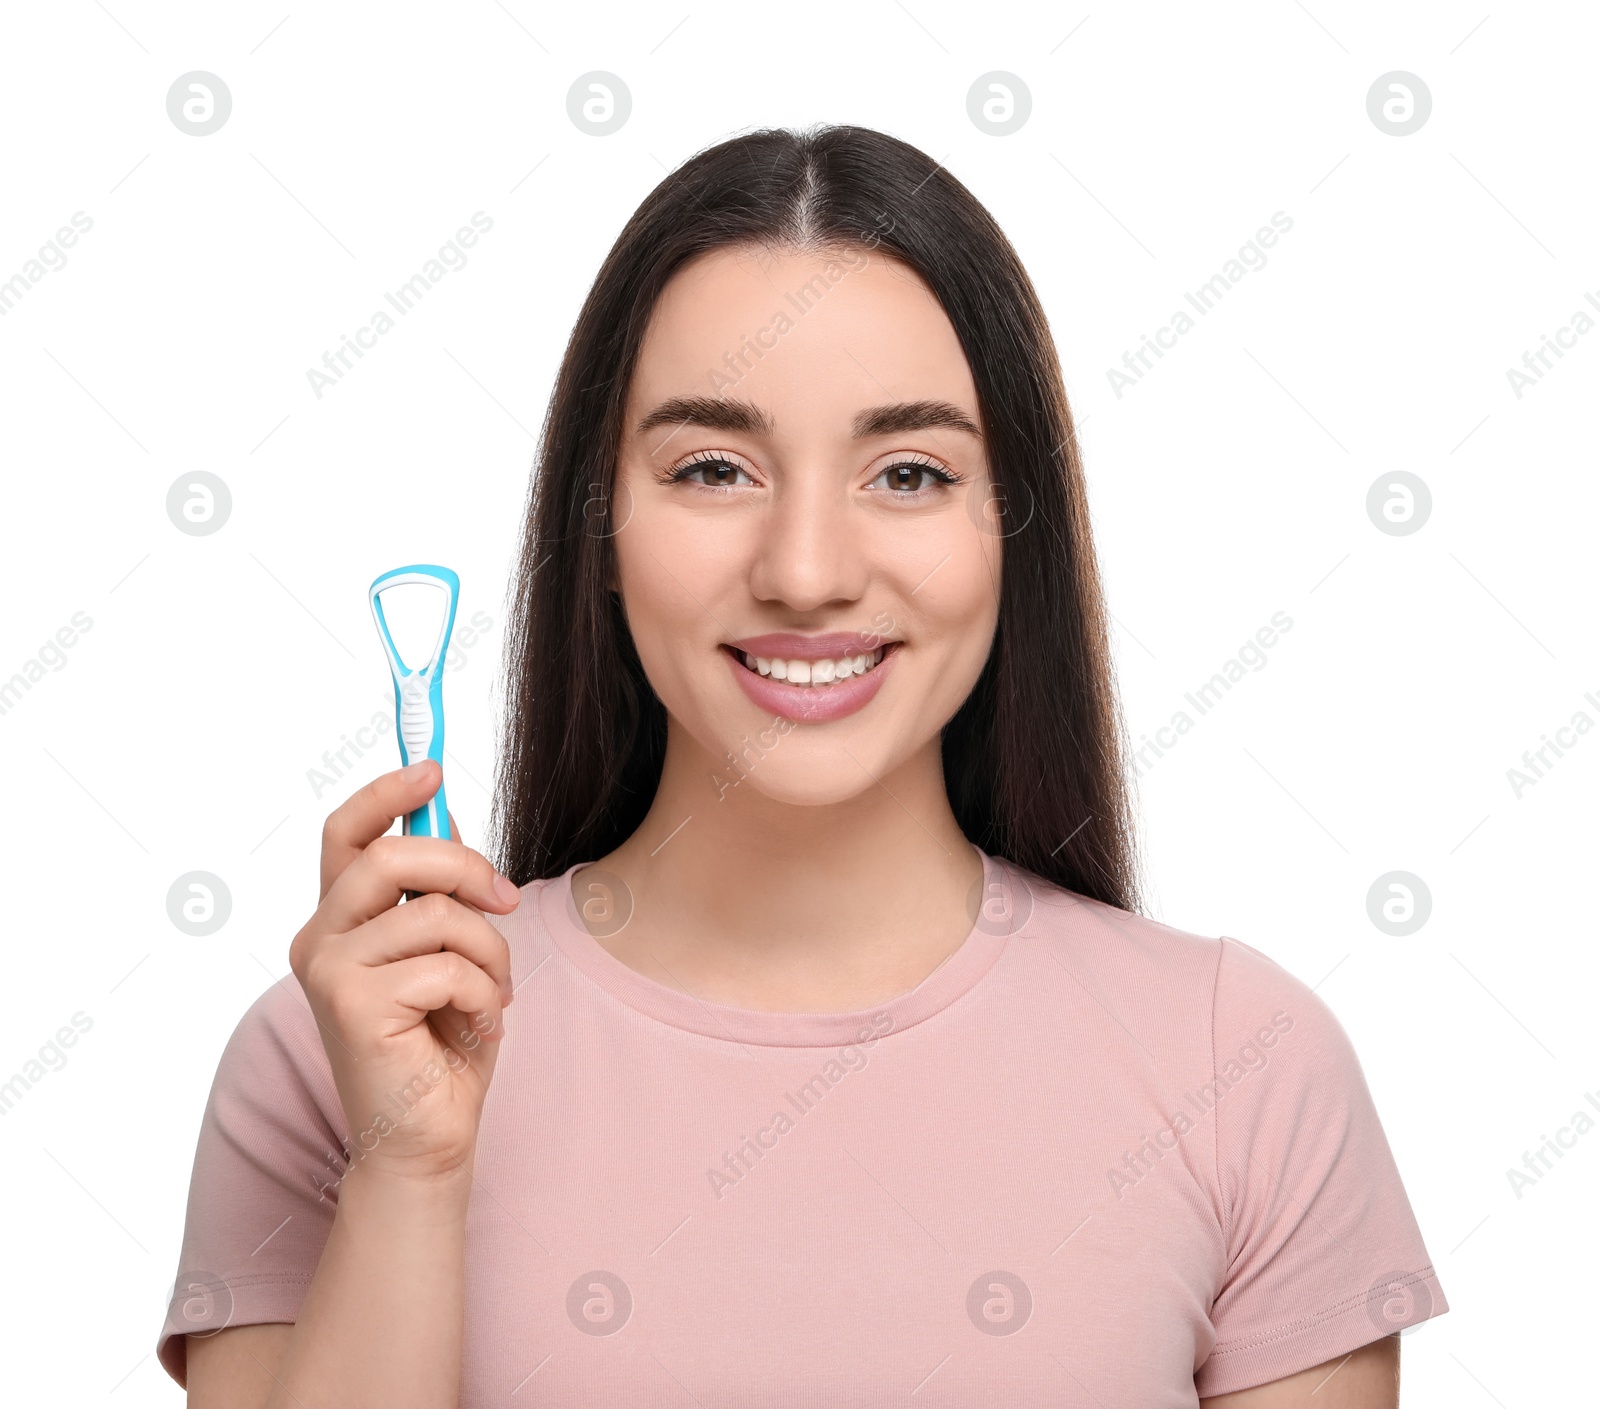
(802, 459)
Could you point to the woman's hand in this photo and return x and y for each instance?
(408, 997)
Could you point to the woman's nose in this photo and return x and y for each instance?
(812, 546)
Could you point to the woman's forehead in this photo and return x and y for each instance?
(798, 329)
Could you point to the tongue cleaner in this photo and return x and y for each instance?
(419, 693)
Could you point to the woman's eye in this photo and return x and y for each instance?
(911, 478)
(723, 473)
(907, 480)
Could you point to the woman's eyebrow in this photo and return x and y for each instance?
(731, 414)
(720, 414)
(913, 416)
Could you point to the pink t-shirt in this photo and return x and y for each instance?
(1090, 1160)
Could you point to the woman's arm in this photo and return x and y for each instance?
(1368, 1378)
(235, 1366)
(408, 998)
(381, 1322)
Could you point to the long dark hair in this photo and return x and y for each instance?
(1035, 758)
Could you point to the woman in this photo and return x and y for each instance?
(843, 1069)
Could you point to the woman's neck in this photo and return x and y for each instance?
(743, 900)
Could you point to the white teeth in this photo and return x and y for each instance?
(813, 672)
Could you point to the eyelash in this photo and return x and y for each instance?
(681, 472)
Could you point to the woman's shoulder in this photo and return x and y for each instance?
(276, 1049)
(1163, 966)
(1122, 946)
(527, 929)
(278, 1020)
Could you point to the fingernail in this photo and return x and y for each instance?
(504, 888)
(414, 771)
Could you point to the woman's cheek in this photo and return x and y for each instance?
(672, 632)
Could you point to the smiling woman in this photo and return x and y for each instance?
(812, 770)
(813, 501)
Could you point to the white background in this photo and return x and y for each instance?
(1229, 484)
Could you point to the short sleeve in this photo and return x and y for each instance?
(1323, 1251)
(264, 1187)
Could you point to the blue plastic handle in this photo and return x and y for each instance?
(419, 693)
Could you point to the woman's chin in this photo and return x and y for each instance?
(805, 778)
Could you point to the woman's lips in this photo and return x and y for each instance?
(827, 645)
(811, 704)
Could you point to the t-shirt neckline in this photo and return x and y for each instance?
(976, 954)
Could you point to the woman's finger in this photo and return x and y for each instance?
(426, 925)
(432, 982)
(369, 812)
(391, 865)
